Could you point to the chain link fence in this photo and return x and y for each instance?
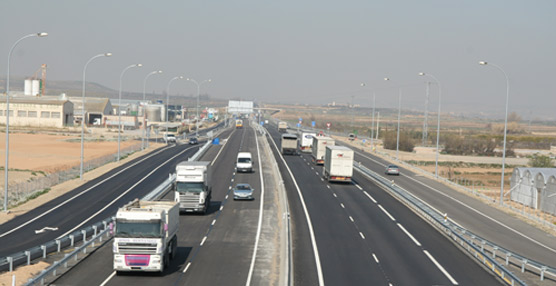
(19, 193)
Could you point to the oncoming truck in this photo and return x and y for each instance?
(239, 123)
(146, 236)
(318, 148)
(282, 126)
(288, 144)
(338, 164)
(192, 187)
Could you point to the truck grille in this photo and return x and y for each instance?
(189, 200)
(137, 248)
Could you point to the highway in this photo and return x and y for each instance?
(366, 237)
(216, 248)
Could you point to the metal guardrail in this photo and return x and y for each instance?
(441, 222)
(8, 263)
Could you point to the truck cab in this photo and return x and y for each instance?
(192, 187)
(244, 162)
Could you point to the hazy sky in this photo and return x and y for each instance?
(299, 51)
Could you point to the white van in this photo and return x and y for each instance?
(244, 162)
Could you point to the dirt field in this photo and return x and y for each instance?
(36, 153)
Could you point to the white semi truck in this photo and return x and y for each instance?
(288, 144)
(338, 164)
(193, 186)
(145, 236)
(306, 142)
(319, 148)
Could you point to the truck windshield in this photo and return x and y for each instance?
(126, 228)
(243, 160)
(189, 187)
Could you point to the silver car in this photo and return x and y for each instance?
(392, 170)
(243, 192)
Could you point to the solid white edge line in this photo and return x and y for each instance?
(261, 213)
(409, 234)
(203, 241)
(369, 196)
(108, 279)
(465, 205)
(387, 213)
(454, 282)
(186, 267)
(122, 194)
(83, 192)
(307, 216)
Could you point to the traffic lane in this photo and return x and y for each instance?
(192, 228)
(408, 241)
(490, 223)
(229, 246)
(86, 206)
(303, 257)
(343, 253)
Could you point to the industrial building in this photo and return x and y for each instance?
(47, 111)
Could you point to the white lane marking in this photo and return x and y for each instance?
(387, 213)
(261, 212)
(334, 194)
(221, 207)
(307, 216)
(317, 173)
(108, 278)
(312, 168)
(226, 196)
(230, 187)
(322, 179)
(454, 282)
(45, 229)
(369, 196)
(328, 186)
(87, 190)
(467, 206)
(121, 195)
(409, 234)
(203, 241)
(351, 218)
(186, 267)
(376, 258)
(359, 187)
(342, 205)
(213, 222)
(232, 180)
(361, 234)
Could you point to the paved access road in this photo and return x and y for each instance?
(216, 248)
(365, 237)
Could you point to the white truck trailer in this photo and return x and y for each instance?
(319, 148)
(193, 186)
(288, 144)
(306, 142)
(146, 236)
(282, 126)
(338, 164)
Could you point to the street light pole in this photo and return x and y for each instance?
(399, 115)
(505, 127)
(83, 111)
(168, 99)
(120, 104)
(42, 34)
(144, 109)
(198, 92)
(437, 120)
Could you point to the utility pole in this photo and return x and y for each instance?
(425, 123)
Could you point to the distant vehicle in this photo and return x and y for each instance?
(243, 192)
(266, 122)
(282, 126)
(338, 164)
(170, 138)
(193, 141)
(193, 186)
(239, 123)
(392, 170)
(288, 144)
(306, 142)
(145, 237)
(352, 136)
(244, 163)
(319, 148)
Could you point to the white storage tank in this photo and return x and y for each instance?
(36, 87)
(153, 113)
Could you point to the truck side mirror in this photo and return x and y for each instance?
(165, 227)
